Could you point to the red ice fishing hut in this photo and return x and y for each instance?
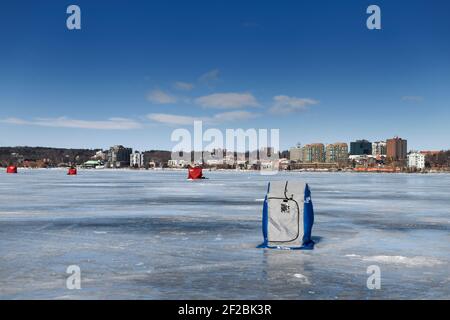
(11, 169)
(195, 173)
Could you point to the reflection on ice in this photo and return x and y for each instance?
(154, 235)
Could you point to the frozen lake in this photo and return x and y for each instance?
(155, 235)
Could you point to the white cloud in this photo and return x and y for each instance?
(161, 97)
(173, 119)
(64, 122)
(14, 121)
(286, 105)
(412, 98)
(229, 100)
(185, 86)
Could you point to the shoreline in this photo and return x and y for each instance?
(236, 171)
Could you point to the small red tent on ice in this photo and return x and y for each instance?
(72, 171)
(11, 169)
(195, 173)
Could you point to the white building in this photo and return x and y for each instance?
(215, 162)
(379, 148)
(137, 159)
(178, 163)
(100, 155)
(229, 159)
(416, 160)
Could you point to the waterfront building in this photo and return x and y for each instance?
(178, 163)
(360, 147)
(296, 153)
(314, 153)
(137, 159)
(267, 152)
(100, 155)
(416, 160)
(379, 148)
(119, 156)
(92, 164)
(214, 157)
(230, 159)
(337, 153)
(396, 149)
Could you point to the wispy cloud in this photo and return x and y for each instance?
(184, 86)
(64, 122)
(161, 97)
(210, 78)
(287, 105)
(412, 98)
(230, 100)
(173, 119)
(234, 116)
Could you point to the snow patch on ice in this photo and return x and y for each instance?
(303, 279)
(407, 261)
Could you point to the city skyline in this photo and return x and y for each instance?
(374, 144)
(132, 77)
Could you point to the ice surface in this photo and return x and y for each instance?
(155, 235)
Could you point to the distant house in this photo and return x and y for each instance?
(177, 163)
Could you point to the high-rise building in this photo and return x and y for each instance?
(379, 148)
(137, 159)
(337, 153)
(360, 147)
(296, 154)
(119, 156)
(314, 152)
(396, 149)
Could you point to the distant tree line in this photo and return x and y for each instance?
(438, 160)
(51, 156)
(159, 157)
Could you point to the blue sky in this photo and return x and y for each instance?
(137, 70)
